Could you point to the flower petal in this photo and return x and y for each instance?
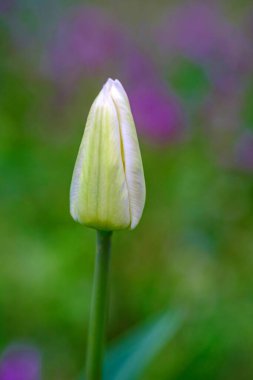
(131, 153)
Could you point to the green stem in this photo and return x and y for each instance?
(98, 311)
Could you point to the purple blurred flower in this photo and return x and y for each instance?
(158, 114)
(244, 152)
(87, 42)
(84, 40)
(20, 362)
(136, 66)
(199, 31)
(6, 6)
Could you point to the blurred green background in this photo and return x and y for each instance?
(188, 70)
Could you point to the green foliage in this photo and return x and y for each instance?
(127, 359)
(189, 80)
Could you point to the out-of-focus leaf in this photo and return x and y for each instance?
(189, 80)
(129, 357)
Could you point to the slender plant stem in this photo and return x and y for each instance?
(98, 311)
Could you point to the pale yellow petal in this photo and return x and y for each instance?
(131, 153)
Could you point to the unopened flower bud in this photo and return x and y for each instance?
(108, 187)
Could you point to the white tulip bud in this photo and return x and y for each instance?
(108, 187)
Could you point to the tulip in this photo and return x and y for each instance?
(107, 193)
(108, 187)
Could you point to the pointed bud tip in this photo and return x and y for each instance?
(112, 82)
(108, 84)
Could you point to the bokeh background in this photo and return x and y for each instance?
(188, 69)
